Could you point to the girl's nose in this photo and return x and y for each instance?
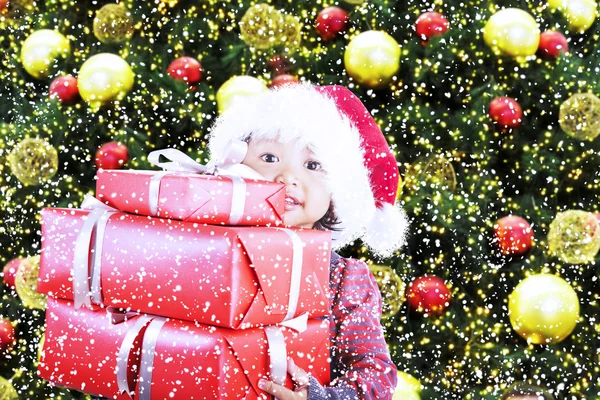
(287, 177)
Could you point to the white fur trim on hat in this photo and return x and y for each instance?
(387, 231)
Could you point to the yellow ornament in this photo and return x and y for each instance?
(574, 236)
(26, 283)
(372, 58)
(113, 24)
(408, 387)
(236, 88)
(579, 116)
(580, 14)
(435, 172)
(42, 50)
(33, 161)
(291, 34)
(7, 390)
(103, 78)
(513, 32)
(391, 287)
(543, 309)
(356, 2)
(262, 26)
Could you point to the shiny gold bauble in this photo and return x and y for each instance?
(391, 287)
(543, 309)
(372, 58)
(408, 387)
(103, 78)
(42, 50)
(26, 283)
(113, 24)
(513, 32)
(580, 14)
(435, 172)
(574, 236)
(33, 161)
(579, 116)
(261, 26)
(7, 390)
(236, 88)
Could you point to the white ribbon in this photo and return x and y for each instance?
(148, 352)
(277, 354)
(125, 350)
(295, 281)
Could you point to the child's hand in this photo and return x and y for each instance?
(300, 378)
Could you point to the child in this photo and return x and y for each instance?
(525, 391)
(340, 175)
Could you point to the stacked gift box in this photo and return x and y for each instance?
(181, 285)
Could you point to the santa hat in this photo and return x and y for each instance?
(332, 122)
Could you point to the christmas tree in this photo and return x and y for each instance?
(490, 107)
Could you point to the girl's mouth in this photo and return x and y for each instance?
(290, 203)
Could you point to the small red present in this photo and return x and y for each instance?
(234, 277)
(156, 358)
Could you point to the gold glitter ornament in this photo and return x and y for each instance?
(513, 32)
(291, 34)
(26, 283)
(7, 390)
(543, 309)
(113, 24)
(42, 50)
(33, 161)
(435, 172)
(261, 26)
(372, 58)
(391, 288)
(579, 116)
(574, 236)
(103, 78)
(236, 88)
(408, 387)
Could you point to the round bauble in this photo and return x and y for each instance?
(579, 116)
(33, 161)
(513, 235)
(111, 155)
(42, 50)
(331, 22)
(506, 112)
(282, 80)
(552, 44)
(372, 58)
(103, 78)
(574, 236)
(64, 88)
(408, 387)
(7, 336)
(428, 294)
(9, 272)
(26, 283)
(430, 24)
(113, 23)
(513, 32)
(237, 88)
(186, 69)
(543, 309)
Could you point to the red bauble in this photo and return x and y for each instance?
(7, 335)
(428, 294)
(3, 6)
(111, 155)
(10, 271)
(431, 24)
(506, 112)
(282, 80)
(186, 69)
(552, 43)
(64, 88)
(279, 64)
(331, 21)
(513, 235)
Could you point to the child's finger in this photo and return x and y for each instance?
(280, 392)
(299, 376)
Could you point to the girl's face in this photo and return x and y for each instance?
(307, 196)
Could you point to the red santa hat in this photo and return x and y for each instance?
(362, 173)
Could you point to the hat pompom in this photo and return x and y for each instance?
(387, 230)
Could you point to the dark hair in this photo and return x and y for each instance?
(525, 389)
(328, 221)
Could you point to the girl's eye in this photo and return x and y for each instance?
(313, 165)
(270, 158)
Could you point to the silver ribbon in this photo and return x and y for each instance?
(296, 277)
(230, 166)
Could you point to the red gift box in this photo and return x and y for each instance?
(154, 358)
(207, 199)
(234, 277)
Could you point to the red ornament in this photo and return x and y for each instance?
(64, 88)
(3, 6)
(506, 112)
(431, 24)
(10, 271)
(279, 64)
(331, 22)
(185, 69)
(282, 80)
(552, 43)
(7, 335)
(513, 235)
(428, 294)
(111, 155)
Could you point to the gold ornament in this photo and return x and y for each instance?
(113, 24)
(26, 283)
(42, 50)
(543, 309)
(391, 287)
(372, 58)
(291, 35)
(408, 387)
(513, 32)
(7, 390)
(261, 26)
(579, 116)
(434, 172)
(580, 14)
(33, 161)
(236, 88)
(574, 236)
(103, 78)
